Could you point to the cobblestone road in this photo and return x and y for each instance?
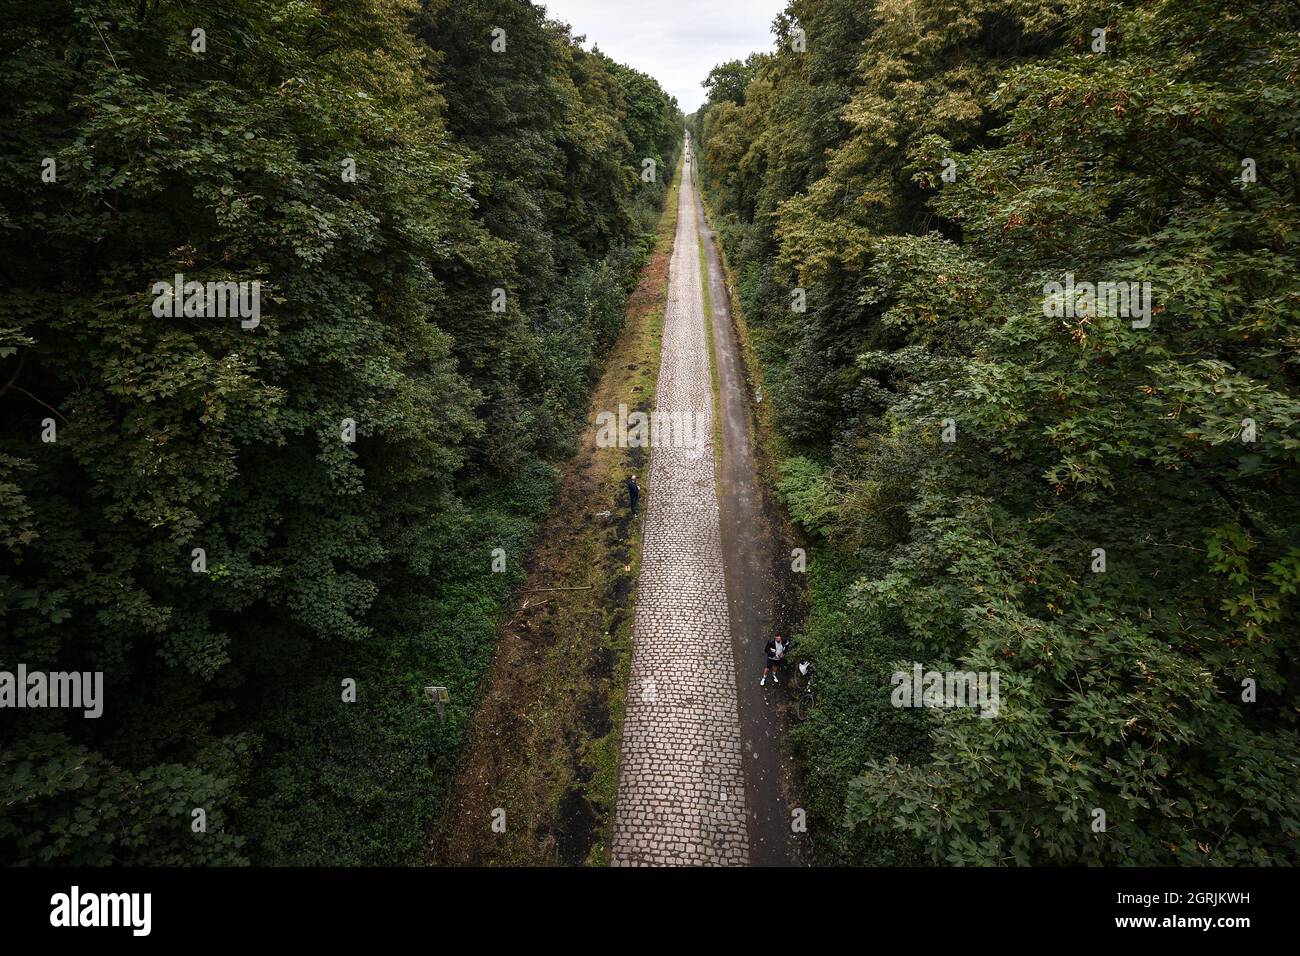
(681, 795)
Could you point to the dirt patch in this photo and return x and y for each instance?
(621, 589)
(575, 828)
(601, 665)
(595, 715)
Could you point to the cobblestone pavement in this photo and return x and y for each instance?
(681, 795)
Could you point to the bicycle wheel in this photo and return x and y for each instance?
(804, 705)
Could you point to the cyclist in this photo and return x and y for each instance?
(774, 658)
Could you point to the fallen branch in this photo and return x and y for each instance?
(585, 587)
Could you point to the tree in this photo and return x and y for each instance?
(237, 515)
(979, 154)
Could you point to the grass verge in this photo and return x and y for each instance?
(713, 364)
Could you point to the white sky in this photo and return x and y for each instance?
(675, 41)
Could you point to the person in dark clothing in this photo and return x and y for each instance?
(633, 492)
(774, 654)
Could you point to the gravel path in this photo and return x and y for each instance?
(681, 796)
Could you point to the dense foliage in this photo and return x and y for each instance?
(225, 156)
(1125, 689)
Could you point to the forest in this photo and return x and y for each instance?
(271, 535)
(307, 310)
(1097, 497)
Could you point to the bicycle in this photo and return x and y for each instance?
(803, 704)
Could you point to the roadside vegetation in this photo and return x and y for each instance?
(544, 744)
(489, 152)
(960, 455)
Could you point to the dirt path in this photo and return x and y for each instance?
(753, 555)
(682, 793)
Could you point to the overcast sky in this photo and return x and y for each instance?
(675, 41)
